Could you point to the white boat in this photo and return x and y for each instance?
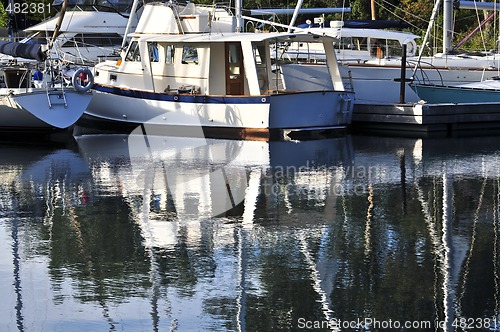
(35, 97)
(45, 109)
(90, 31)
(355, 45)
(371, 61)
(187, 71)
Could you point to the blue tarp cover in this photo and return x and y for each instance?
(20, 50)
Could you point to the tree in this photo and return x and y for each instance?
(4, 18)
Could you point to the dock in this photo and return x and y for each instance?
(427, 120)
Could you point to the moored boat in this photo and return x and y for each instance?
(194, 73)
(487, 91)
(35, 95)
(372, 59)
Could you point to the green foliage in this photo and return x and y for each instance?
(416, 13)
(3, 17)
(360, 10)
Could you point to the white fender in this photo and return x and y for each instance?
(78, 84)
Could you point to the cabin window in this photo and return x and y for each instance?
(16, 78)
(345, 43)
(189, 55)
(169, 54)
(94, 39)
(359, 44)
(259, 54)
(234, 61)
(378, 48)
(394, 48)
(153, 52)
(133, 53)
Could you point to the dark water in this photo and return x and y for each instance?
(123, 233)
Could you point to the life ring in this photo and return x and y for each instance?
(411, 47)
(82, 80)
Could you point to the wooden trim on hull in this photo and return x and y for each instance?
(89, 124)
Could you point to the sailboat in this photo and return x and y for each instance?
(34, 97)
(186, 70)
(375, 73)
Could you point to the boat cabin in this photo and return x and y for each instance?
(206, 63)
(355, 44)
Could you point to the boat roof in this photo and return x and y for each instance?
(365, 33)
(232, 37)
(84, 21)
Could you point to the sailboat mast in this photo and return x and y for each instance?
(427, 34)
(129, 22)
(57, 28)
(239, 19)
(447, 26)
(295, 14)
(374, 13)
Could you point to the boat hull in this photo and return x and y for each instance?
(380, 85)
(437, 94)
(30, 111)
(220, 116)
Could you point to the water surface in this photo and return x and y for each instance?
(120, 233)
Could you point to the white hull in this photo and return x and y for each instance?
(286, 111)
(380, 85)
(371, 60)
(132, 110)
(30, 110)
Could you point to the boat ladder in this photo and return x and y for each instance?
(56, 97)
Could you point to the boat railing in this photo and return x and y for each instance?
(423, 75)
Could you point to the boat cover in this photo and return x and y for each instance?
(22, 50)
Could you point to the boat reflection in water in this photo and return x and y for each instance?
(170, 233)
(196, 200)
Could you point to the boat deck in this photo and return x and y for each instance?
(427, 120)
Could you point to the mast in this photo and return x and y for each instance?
(129, 22)
(447, 26)
(295, 14)
(239, 19)
(427, 34)
(374, 13)
(59, 23)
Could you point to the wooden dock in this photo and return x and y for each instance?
(427, 120)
